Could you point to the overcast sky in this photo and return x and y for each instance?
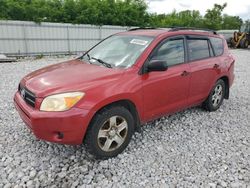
(234, 7)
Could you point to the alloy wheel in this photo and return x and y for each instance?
(217, 95)
(112, 133)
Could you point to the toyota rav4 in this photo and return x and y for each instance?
(128, 79)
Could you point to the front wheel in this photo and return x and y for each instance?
(109, 132)
(216, 96)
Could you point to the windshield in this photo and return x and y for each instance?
(118, 50)
(243, 28)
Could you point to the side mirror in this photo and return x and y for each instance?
(157, 65)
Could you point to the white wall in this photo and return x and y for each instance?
(29, 38)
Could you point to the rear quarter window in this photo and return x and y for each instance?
(218, 46)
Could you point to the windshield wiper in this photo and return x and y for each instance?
(88, 56)
(82, 58)
(101, 61)
(98, 60)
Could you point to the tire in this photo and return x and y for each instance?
(232, 42)
(244, 43)
(109, 132)
(216, 96)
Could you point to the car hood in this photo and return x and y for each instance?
(73, 75)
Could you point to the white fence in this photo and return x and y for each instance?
(29, 38)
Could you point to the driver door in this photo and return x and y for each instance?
(167, 91)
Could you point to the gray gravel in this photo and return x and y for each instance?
(192, 148)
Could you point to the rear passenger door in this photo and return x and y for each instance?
(204, 68)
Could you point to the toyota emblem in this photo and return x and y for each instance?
(23, 93)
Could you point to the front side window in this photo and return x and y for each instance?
(171, 51)
(119, 50)
(198, 49)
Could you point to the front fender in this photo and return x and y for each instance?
(129, 87)
(134, 98)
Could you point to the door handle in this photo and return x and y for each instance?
(216, 66)
(185, 73)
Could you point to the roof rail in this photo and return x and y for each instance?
(192, 28)
(140, 28)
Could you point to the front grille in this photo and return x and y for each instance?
(27, 95)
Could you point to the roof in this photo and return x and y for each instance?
(145, 32)
(157, 32)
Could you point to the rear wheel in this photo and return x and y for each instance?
(110, 132)
(216, 96)
(244, 43)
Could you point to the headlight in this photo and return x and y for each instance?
(61, 102)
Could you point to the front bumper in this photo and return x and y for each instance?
(68, 127)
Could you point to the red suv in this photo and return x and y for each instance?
(128, 79)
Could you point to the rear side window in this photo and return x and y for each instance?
(198, 49)
(217, 44)
(171, 51)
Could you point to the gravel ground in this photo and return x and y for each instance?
(192, 148)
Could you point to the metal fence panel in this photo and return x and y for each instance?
(109, 30)
(29, 38)
(45, 32)
(12, 47)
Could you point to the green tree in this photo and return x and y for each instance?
(54, 10)
(69, 11)
(113, 12)
(3, 10)
(186, 18)
(213, 17)
(190, 18)
(231, 22)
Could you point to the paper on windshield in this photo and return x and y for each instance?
(139, 42)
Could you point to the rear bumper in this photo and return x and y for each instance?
(68, 127)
